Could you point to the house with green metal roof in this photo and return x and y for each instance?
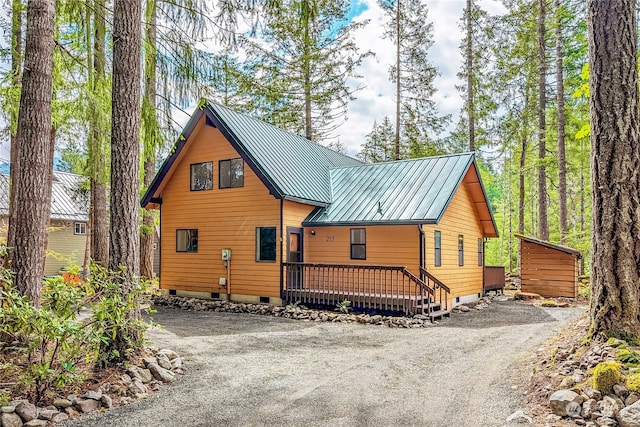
(250, 212)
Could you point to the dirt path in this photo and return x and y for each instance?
(246, 370)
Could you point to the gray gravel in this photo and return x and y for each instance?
(247, 370)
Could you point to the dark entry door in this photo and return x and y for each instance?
(294, 254)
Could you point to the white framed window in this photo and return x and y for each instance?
(80, 228)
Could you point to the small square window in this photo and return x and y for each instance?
(80, 228)
(202, 176)
(231, 173)
(266, 244)
(187, 240)
(358, 243)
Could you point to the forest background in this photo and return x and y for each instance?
(298, 65)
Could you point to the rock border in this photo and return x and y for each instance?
(160, 366)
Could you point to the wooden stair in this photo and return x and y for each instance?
(434, 310)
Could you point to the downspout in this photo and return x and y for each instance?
(422, 237)
(281, 249)
(484, 263)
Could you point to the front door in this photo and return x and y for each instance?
(294, 254)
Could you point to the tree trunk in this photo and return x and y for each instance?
(147, 232)
(542, 124)
(521, 190)
(97, 148)
(562, 163)
(469, 54)
(34, 132)
(306, 63)
(615, 182)
(16, 59)
(125, 136)
(398, 83)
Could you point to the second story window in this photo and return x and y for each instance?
(201, 176)
(231, 173)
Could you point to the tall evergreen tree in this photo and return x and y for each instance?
(417, 118)
(562, 161)
(34, 156)
(380, 143)
(615, 155)
(125, 134)
(542, 121)
(300, 74)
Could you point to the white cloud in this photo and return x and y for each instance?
(377, 98)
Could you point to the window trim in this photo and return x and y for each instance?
(460, 250)
(480, 252)
(82, 226)
(189, 245)
(191, 176)
(437, 248)
(220, 162)
(363, 245)
(259, 241)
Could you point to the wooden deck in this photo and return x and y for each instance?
(371, 287)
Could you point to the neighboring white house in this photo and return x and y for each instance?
(67, 236)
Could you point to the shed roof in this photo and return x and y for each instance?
(406, 191)
(292, 167)
(67, 203)
(549, 245)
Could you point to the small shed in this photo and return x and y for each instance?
(548, 269)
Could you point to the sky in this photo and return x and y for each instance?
(377, 98)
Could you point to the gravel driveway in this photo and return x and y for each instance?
(247, 370)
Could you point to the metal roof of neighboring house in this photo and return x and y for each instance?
(67, 203)
(291, 166)
(406, 191)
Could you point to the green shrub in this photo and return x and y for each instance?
(606, 375)
(633, 383)
(343, 307)
(630, 357)
(50, 343)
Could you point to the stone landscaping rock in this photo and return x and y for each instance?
(10, 419)
(565, 402)
(7, 409)
(588, 408)
(36, 423)
(93, 394)
(519, 417)
(160, 373)
(609, 407)
(137, 387)
(60, 417)
(163, 361)
(631, 399)
(629, 416)
(620, 390)
(87, 405)
(107, 401)
(169, 353)
(592, 393)
(176, 363)
(27, 411)
(606, 422)
(61, 403)
(71, 412)
(47, 414)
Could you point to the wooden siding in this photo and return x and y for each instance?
(385, 245)
(293, 215)
(460, 218)
(225, 218)
(548, 272)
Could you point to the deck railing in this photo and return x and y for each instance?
(440, 290)
(378, 287)
(493, 278)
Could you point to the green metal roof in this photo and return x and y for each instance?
(406, 191)
(296, 168)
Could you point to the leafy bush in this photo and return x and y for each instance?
(630, 357)
(343, 307)
(606, 375)
(633, 383)
(49, 344)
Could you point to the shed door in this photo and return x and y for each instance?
(295, 254)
